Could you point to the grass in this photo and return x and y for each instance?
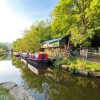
(77, 63)
(4, 94)
(2, 90)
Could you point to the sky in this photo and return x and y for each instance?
(18, 15)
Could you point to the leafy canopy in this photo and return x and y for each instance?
(79, 18)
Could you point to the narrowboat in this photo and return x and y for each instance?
(38, 60)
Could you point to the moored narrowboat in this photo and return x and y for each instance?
(38, 59)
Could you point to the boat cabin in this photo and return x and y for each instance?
(38, 56)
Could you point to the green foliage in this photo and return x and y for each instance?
(79, 18)
(77, 63)
(1, 50)
(3, 57)
(2, 90)
(84, 64)
(33, 37)
(72, 62)
(3, 47)
(17, 45)
(4, 94)
(58, 63)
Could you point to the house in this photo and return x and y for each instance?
(52, 47)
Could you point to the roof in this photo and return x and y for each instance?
(53, 40)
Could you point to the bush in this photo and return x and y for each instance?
(76, 63)
(85, 65)
(58, 63)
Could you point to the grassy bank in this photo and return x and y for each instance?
(77, 63)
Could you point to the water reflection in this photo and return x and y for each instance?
(73, 88)
(54, 85)
(32, 82)
(59, 85)
(6, 56)
(8, 72)
(3, 57)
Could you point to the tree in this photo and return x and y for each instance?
(3, 47)
(79, 18)
(34, 37)
(17, 45)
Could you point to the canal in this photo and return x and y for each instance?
(53, 85)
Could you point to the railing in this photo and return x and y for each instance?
(93, 56)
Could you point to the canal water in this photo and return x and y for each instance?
(53, 85)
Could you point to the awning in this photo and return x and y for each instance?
(53, 40)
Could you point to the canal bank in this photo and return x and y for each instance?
(74, 66)
(81, 72)
(11, 91)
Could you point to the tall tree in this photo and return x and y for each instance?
(79, 18)
(33, 38)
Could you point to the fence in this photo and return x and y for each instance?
(90, 54)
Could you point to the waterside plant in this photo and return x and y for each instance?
(77, 63)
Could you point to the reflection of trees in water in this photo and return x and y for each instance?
(16, 61)
(73, 88)
(67, 79)
(3, 57)
(60, 85)
(31, 80)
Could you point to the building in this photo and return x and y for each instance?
(52, 47)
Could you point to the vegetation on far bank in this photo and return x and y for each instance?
(79, 18)
(3, 47)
